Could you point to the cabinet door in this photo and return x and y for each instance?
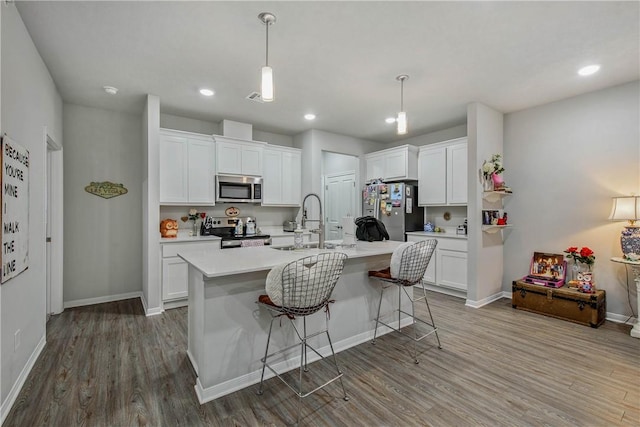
(251, 160)
(272, 178)
(173, 169)
(396, 165)
(375, 167)
(229, 158)
(452, 269)
(432, 173)
(457, 174)
(175, 273)
(430, 273)
(291, 178)
(201, 161)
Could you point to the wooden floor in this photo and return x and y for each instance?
(109, 365)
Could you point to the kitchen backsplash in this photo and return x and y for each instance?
(265, 216)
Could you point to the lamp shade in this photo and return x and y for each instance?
(267, 84)
(625, 209)
(402, 123)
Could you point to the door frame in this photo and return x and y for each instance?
(54, 219)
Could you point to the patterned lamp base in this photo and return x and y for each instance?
(630, 240)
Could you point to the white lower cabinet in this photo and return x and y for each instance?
(448, 265)
(175, 271)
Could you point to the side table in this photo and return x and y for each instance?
(635, 267)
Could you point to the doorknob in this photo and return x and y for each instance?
(48, 239)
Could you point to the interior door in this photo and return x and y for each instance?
(340, 199)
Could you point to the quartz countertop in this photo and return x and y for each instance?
(217, 263)
(439, 235)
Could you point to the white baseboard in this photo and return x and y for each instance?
(211, 393)
(620, 318)
(168, 305)
(100, 300)
(484, 301)
(147, 311)
(17, 386)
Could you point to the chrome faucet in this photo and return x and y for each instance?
(320, 230)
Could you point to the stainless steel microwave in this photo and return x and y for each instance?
(239, 189)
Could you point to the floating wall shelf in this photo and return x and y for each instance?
(494, 196)
(494, 228)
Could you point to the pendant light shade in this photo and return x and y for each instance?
(402, 115)
(266, 89)
(266, 86)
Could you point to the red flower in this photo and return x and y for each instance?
(203, 214)
(572, 249)
(585, 252)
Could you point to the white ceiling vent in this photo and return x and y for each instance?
(255, 96)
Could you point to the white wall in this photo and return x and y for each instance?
(151, 290)
(313, 143)
(485, 256)
(333, 163)
(433, 137)
(103, 237)
(30, 102)
(565, 161)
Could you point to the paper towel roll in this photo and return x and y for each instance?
(348, 231)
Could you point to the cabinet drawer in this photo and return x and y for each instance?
(172, 249)
(453, 244)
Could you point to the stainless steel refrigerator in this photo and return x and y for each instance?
(396, 205)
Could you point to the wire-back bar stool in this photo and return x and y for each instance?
(304, 288)
(408, 265)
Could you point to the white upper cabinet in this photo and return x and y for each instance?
(393, 164)
(239, 157)
(442, 170)
(432, 185)
(282, 174)
(187, 168)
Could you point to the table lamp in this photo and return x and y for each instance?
(627, 208)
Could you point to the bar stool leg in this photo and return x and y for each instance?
(424, 293)
(335, 362)
(264, 359)
(375, 332)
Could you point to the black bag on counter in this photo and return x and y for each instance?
(370, 229)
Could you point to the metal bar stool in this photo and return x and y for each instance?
(299, 289)
(408, 265)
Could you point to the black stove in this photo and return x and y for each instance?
(225, 229)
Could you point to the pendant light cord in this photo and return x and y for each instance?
(401, 94)
(267, 49)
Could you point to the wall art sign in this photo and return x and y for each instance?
(14, 254)
(106, 189)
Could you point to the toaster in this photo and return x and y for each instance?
(289, 225)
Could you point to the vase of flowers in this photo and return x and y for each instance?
(491, 170)
(193, 216)
(583, 260)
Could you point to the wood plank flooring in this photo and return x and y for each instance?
(109, 365)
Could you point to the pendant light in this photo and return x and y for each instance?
(266, 90)
(402, 115)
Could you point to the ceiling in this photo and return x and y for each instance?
(338, 60)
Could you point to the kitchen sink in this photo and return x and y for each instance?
(293, 248)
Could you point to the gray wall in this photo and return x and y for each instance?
(433, 137)
(30, 102)
(103, 237)
(565, 161)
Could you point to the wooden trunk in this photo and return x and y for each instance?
(563, 303)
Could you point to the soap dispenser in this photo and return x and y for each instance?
(297, 237)
(239, 228)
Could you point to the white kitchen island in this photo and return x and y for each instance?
(228, 330)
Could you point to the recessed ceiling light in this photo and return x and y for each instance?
(390, 120)
(309, 116)
(588, 70)
(110, 90)
(206, 92)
